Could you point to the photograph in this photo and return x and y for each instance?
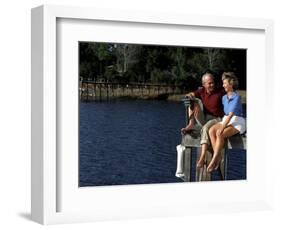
(151, 114)
(162, 106)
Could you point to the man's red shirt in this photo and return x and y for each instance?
(212, 102)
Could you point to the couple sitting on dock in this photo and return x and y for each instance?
(217, 113)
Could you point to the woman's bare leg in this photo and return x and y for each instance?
(212, 134)
(214, 163)
(214, 141)
(218, 146)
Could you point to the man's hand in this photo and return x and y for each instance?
(190, 95)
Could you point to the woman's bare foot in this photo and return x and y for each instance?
(201, 162)
(187, 128)
(214, 164)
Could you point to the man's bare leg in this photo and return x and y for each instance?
(192, 121)
(205, 141)
(201, 161)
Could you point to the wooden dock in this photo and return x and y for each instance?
(191, 141)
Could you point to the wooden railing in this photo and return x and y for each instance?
(97, 91)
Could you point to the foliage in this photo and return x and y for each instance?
(171, 65)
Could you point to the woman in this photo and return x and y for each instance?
(232, 122)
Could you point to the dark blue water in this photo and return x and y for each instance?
(134, 142)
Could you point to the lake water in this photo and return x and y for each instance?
(134, 142)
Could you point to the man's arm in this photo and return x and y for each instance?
(195, 93)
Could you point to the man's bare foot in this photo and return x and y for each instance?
(187, 128)
(201, 162)
(214, 164)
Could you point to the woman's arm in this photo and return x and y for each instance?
(225, 123)
(235, 104)
(227, 120)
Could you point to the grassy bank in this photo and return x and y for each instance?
(178, 97)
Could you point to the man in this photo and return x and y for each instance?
(206, 110)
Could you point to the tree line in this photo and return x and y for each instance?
(172, 65)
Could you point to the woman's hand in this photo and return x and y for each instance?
(227, 120)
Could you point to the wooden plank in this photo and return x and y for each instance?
(107, 92)
(199, 171)
(222, 168)
(187, 165)
(207, 176)
(225, 163)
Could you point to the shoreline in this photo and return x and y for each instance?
(160, 97)
(178, 97)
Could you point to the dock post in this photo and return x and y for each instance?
(100, 91)
(188, 164)
(87, 91)
(187, 103)
(95, 90)
(199, 171)
(223, 164)
(107, 96)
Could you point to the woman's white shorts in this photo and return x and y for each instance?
(237, 122)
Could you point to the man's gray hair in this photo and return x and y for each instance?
(205, 76)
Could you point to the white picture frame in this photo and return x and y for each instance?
(56, 199)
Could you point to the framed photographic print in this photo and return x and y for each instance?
(112, 128)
